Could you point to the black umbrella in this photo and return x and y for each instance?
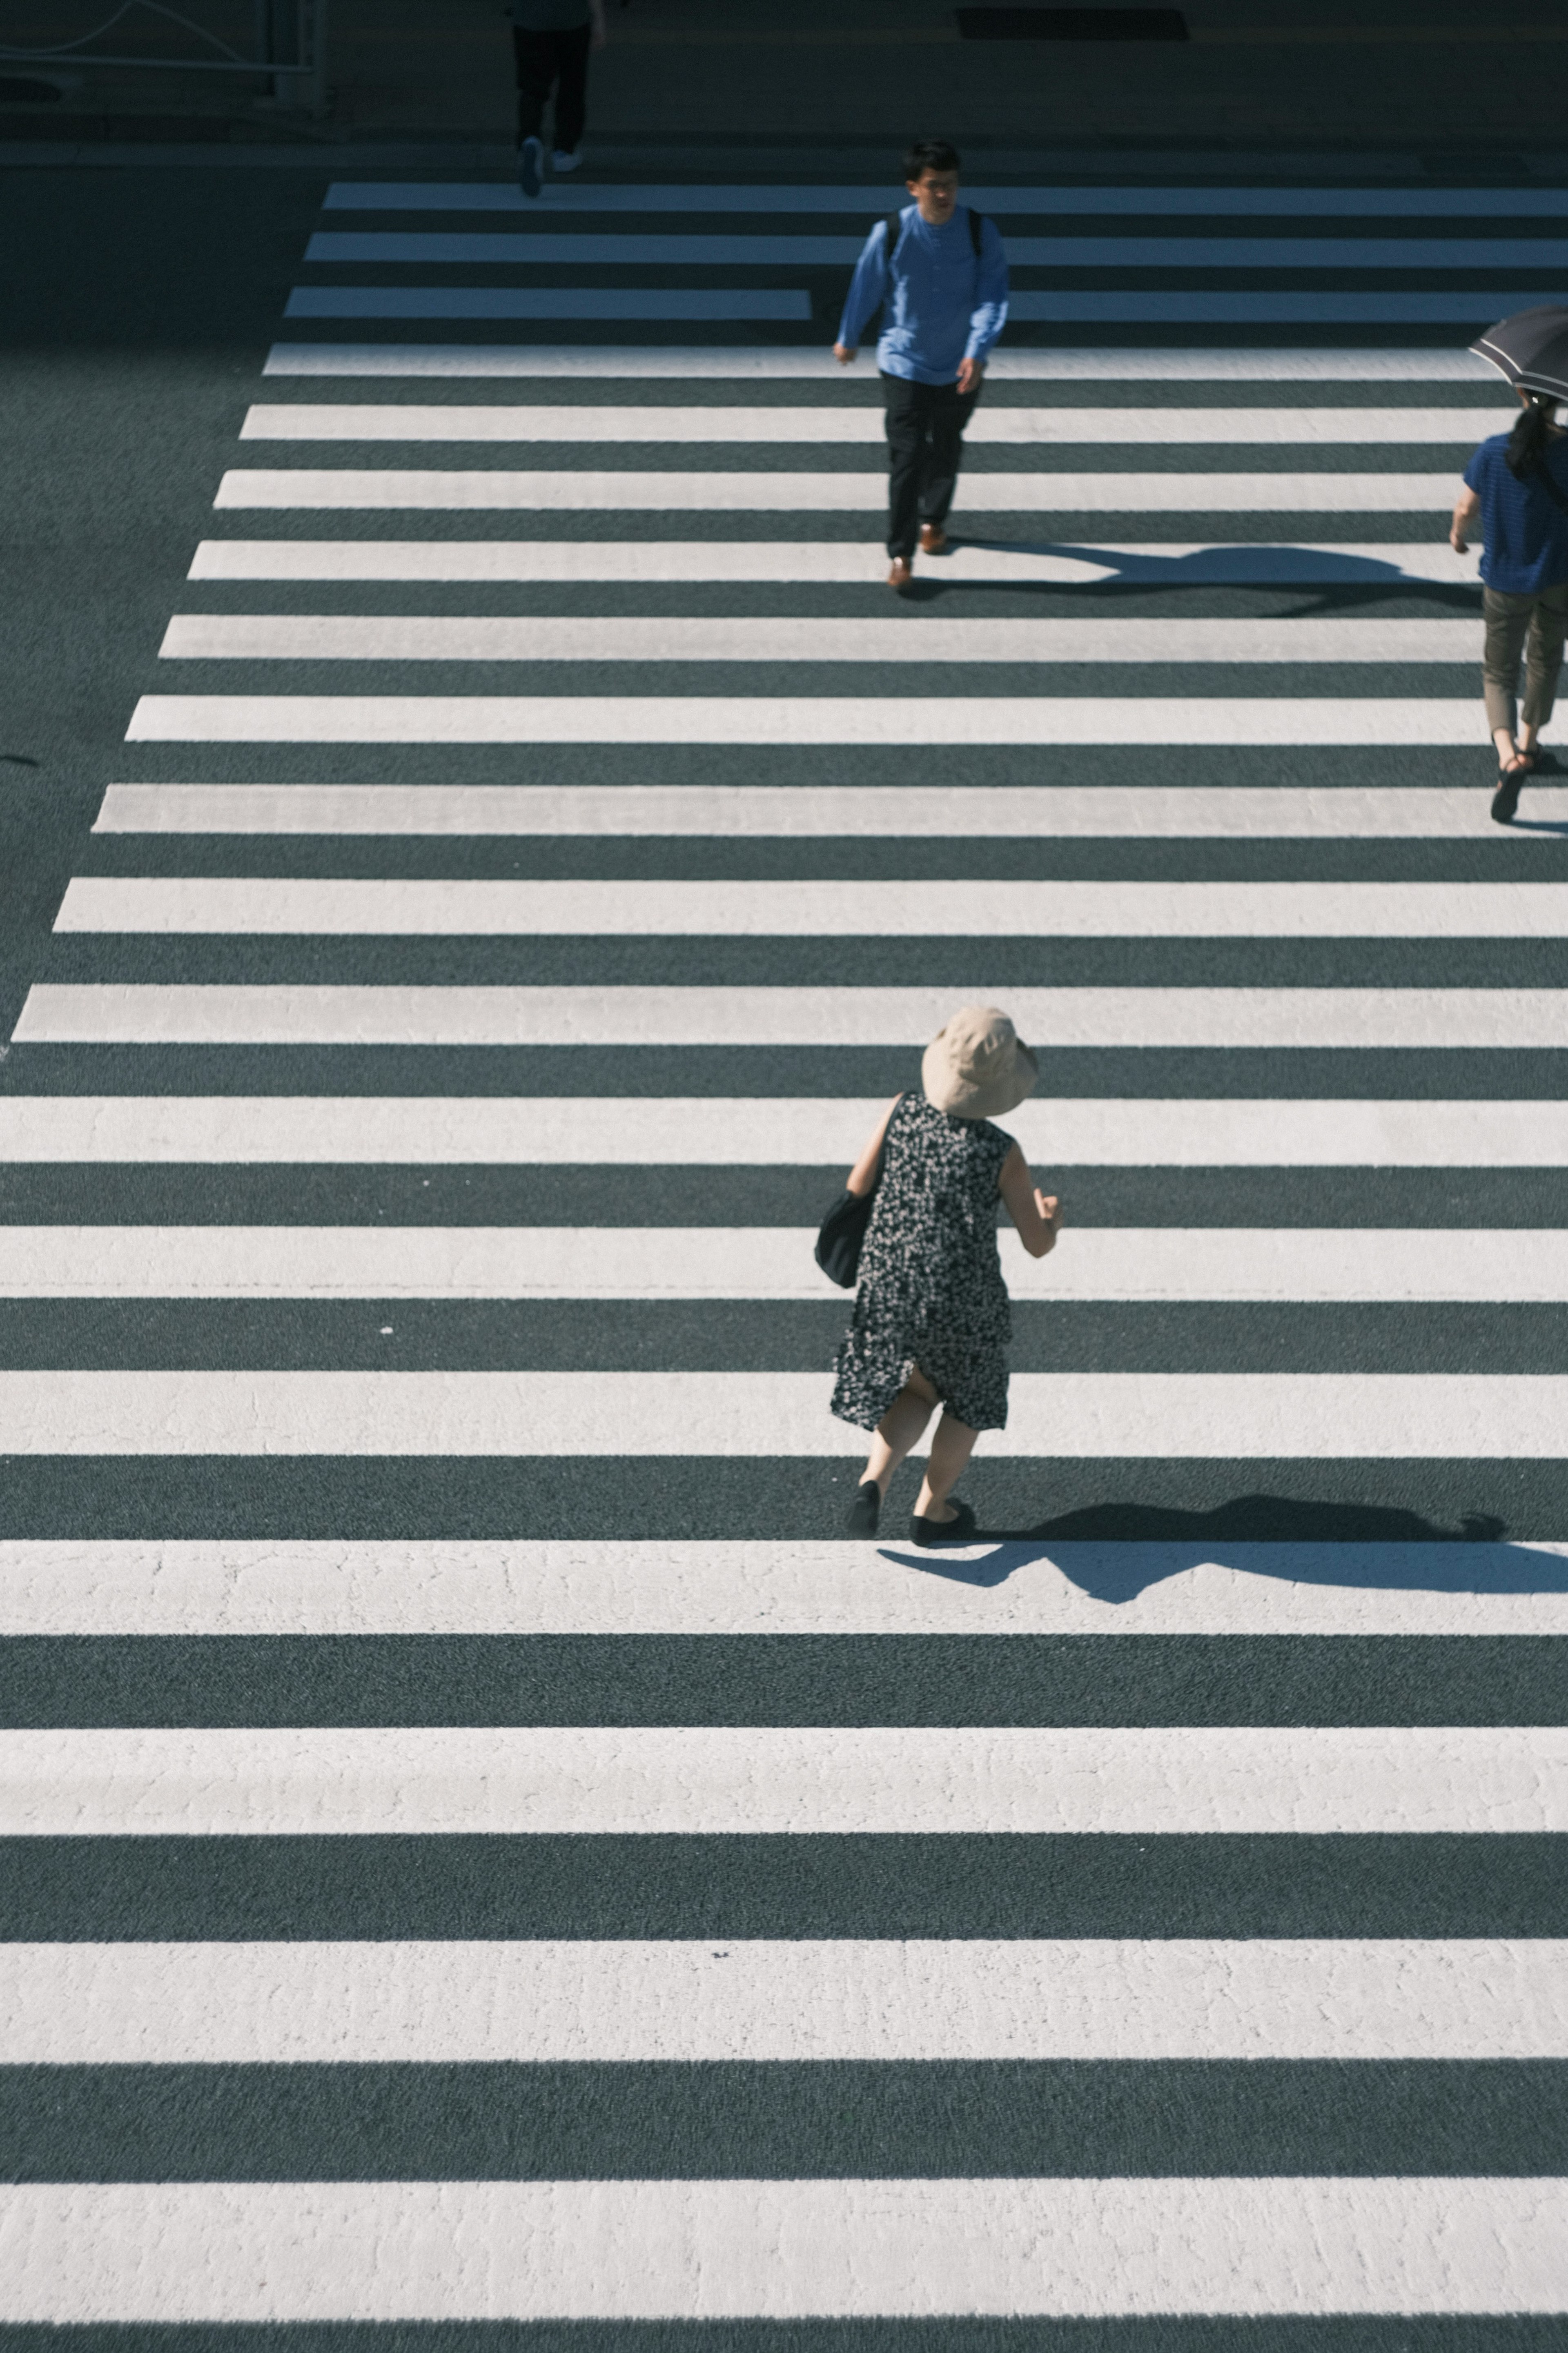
(1530, 349)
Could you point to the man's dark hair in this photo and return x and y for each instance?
(923, 156)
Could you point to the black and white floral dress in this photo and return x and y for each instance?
(931, 1290)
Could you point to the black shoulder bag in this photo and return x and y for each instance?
(841, 1234)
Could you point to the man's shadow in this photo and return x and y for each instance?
(1115, 1551)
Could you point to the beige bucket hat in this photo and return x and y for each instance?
(976, 1066)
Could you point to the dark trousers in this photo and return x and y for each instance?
(546, 61)
(1531, 626)
(924, 444)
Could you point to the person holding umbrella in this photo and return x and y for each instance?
(1517, 483)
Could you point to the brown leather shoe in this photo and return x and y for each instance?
(933, 539)
(902, 572)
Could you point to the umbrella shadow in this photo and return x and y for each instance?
(1115, 1551)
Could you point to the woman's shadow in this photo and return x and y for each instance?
(1115, 1551)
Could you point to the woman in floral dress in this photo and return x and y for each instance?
(932, 1318)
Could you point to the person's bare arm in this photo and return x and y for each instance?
(1467, 508)
(1037, 1214)
(862, 1174)
(596, 18)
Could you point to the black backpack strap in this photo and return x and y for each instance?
(976, 232)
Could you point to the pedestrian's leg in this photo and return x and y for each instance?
(905, 426)
(950, 1450)
(1543, 661)
(899, 1429)
(1507, 621)
(536, 58)
(948, 414)
(571, 89)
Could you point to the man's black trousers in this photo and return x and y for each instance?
(924, 443)
(544, 59)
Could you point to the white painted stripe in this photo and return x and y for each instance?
(498, 489)
(636, 249)
(1509, 1265)
(805, 811)
(530, 421)
(1368, 562)
(1399, 722)
(1098, 1781)
(1223, 1417)
(546, 2002)
(710, 2251)
(1109, 364)
(571, 302)
(802, 812)
(341, 907)
(1473, 308)
(1510, 204)
(443, 1131)
(258, 1013)
(911, 636)
(1203, 1585)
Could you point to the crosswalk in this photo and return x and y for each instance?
(481, 1856)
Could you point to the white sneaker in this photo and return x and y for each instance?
(560, 161)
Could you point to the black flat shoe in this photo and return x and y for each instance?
(1504, 800)
(959, 1529)
(866, 1508)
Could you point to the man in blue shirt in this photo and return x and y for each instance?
(943, 293)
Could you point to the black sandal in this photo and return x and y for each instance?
(866, 1508)
(1504, 800)
(959, 1529)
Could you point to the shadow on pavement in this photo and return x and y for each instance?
(1115, 1551)
(1246, 563)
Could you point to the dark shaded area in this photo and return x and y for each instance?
(1495, 857)
(698, 961)
(574, 1193)
(594, 1498)
(1297, 1073)
(1162, 2333)
(117, 1889)
(838, 1679)
(660, 1336)
(780, 2120)
(1072, 24)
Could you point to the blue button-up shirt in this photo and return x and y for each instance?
(1525, 533)
(942, 304)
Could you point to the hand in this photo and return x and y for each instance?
(969, 374)
(844, 353)
(1050, 1208)
(1457, 542)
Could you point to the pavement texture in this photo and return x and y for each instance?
(1431, 80)
(485, 1863)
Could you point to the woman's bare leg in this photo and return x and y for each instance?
(950, 1450)
(898, 1429)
